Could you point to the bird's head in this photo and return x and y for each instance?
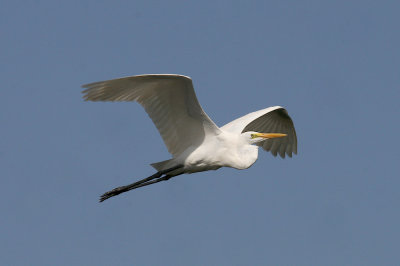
(253, 137)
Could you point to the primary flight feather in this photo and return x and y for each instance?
(194, 141)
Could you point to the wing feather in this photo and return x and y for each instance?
(270, 120)
(275, 144)
(169, 100)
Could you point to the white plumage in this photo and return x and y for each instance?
(193, 139)
(271, 119)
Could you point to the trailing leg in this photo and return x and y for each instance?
(141, 183)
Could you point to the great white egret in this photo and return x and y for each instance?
(194, 141)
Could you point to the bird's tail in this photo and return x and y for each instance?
(159, 166)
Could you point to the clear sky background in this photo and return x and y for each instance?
(334, 65)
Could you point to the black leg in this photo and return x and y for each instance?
(140, 183)
(164, 178)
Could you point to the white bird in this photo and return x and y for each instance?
(194, 141)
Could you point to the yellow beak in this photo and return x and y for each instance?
(271, 135)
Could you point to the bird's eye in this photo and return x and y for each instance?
(253, 136)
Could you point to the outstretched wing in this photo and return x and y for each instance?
(169, 100)
(270, 120)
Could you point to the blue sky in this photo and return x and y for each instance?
(333, 64)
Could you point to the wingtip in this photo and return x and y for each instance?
(166, 75)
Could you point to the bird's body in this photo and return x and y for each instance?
(193, 139)
(228, 150)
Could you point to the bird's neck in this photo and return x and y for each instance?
(247, 156)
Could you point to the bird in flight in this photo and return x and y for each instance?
(195, 142)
